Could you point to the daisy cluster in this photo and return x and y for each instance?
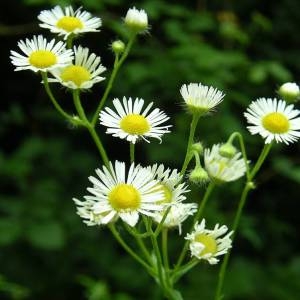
(73, 67)
(119, 192)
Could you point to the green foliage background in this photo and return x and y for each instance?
(247, 49)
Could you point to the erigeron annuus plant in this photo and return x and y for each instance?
(149, 201)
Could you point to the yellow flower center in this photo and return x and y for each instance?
(135, 124)
(76, 74)
(276, 123)
(42, 59)
(166, 193)
(124, 197)
(69, 24)
(210, 244)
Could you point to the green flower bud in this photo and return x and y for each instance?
(227, 150)
(198, 147)
(198, 176)
(118, 47)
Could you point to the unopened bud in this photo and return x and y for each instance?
(227, 150)
(136, 20)
(289, 91)
(118, 47)
(199, 176)
(198, 147)
(251, 185)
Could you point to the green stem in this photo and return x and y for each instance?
(78, 106)
(70, 41)
(247, 188)
(130, 251)
(132, 148)
(196, 218)
(159, 265)
(94, 135)
(243, 150)
(52, 98)
(184, 269)
(133, 231)
(118, 63)
(99, 145)
(164, 243)
(261, 159)
(188, 154)
(218, 295)
(161, 223)
(201, 207)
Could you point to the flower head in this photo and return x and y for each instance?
(136, 20)
(41, 55)
(274, 120)
(131, 123)
(83, 73)
(173, 195)
(117, 194)
(67, 21)
(223, 169)
(208, 244)
(200, 99)
(289, 91)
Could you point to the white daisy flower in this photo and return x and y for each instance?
(136, 20)
(223, 169)
(208, 244)
(274, 120)
(83, 73)
(67, 21)
(173, 194)
(117, 194)
(201, 99)
(169, 182)
(41, 55)
(131, 123)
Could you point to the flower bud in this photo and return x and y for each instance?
(227, 150)
(118, 47)
(136, 20)
(289, 91)
(199, 176)
(198, 147)
(251, 185)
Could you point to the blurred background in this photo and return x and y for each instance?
(245, 48)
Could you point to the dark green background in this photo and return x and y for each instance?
(245, 48)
